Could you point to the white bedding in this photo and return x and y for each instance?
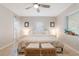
(47, 45)
(33, 45)
(39, 38)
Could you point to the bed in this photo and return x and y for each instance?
(40, 49)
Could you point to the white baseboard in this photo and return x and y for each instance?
(71, 50)
(7, 45)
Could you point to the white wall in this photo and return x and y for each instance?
(6, 31)
(72, 41)
(33, 22)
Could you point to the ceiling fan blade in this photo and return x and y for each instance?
(38, 10)
(45, 6)
(29, 7)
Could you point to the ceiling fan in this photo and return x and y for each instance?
(37, 5)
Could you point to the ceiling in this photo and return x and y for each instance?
(19, 9)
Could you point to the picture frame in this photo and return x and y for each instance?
(26, 24)
(52, 24)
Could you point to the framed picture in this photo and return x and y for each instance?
(52, 24)
(26, 24)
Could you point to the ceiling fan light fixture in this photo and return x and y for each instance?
(36, 6)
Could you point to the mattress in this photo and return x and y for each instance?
(47, 45)
(33, 45)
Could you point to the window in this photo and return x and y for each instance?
(73, 23)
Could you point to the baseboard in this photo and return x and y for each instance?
(73, 51)
(7, 45)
